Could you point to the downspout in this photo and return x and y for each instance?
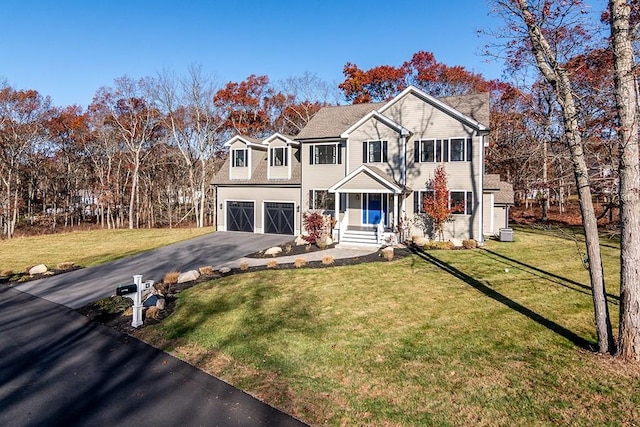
(481, 195)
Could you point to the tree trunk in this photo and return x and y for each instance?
(558, 78)
(629, 180)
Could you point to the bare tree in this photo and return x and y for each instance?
(22, 115)
(549, 30)
(194, 128)
(626, 83)
(137, 122)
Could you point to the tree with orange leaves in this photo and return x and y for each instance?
(436, 202)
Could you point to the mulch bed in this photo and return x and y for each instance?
(96, 312)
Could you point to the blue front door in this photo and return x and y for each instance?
(373, 209)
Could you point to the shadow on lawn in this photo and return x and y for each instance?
(554, 278)
(497, 296)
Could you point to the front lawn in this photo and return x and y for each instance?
(495, 336)
(87, 248)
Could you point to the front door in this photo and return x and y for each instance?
(374, 208)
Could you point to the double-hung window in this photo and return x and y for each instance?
(430, 151)
(374, 151)
(461, 149)
(278, 156)
(239, 158)
(461, 202)
(325, 154)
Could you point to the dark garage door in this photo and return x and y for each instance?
(278, 218)
(240, 216)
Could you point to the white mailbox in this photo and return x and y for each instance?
(136, 292)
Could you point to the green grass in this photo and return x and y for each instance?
(87, 248)
(450, 338)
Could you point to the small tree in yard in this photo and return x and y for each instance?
(315, 225)
(436, 202)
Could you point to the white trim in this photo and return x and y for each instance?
(392, 188)
(378, 116)
(245, 141)
(479, 127)
(278, 135)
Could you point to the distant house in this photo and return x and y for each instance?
(368, 166)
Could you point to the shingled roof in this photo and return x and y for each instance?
(259, 175)
(504, 194)
(331, 122)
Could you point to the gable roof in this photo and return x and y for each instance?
(461, 101)
(253, 142)
(286, 138)
(371, 175)
(333, 122)
(383, 119)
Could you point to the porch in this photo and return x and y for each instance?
(368, 203)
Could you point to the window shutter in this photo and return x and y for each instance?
(271, 157)
(469, 149)
(339, 153)
(384, 151)
(286, 156)
(311, 154)
(416, 197)
(310, 199)
(445, 150)
(416, 151)
(469, 202)
(365, 153)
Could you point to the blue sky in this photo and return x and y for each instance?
(69, 49)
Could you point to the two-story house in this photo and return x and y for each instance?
(368, 166)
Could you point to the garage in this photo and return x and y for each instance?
(278, 218)
(240, 216)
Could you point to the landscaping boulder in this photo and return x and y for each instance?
(273, 251)
(300, 241)
(188, 276)
(224, 270)
(37, 269)
(457, 243)
(387, 253)
(325, 241)
(161, 303)
(420, 241)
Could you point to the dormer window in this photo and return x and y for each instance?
(239, 158)
(278, 156)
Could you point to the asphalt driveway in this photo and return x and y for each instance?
(78, 288)
(59, 369)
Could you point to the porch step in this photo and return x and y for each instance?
(360, 237)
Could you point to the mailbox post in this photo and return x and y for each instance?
(137, 293)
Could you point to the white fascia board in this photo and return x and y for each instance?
(378, 116)
(392, 188)
(479, 127)
(278, 135)
(245, 141)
